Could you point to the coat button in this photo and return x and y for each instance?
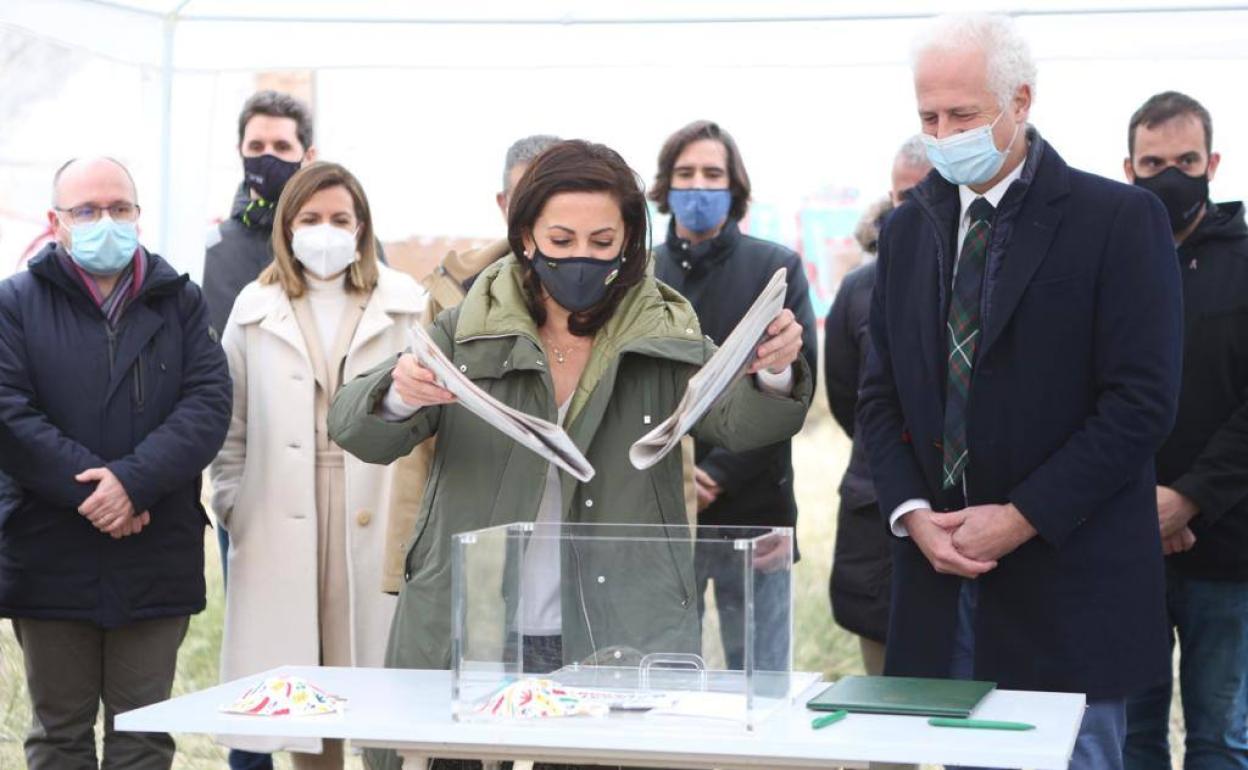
(589, 503)
(602, 579)
(363, 518)
(407, 576)
(463, 367)
(294, 445)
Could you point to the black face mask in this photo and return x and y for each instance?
(576, 283)
(267, 175)
(1182, 195)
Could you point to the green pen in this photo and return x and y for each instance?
(979, 724)
(818, 723)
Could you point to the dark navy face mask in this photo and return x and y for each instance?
(268, 174)
(576, 283)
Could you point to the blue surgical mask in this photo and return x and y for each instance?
(697, 210)
(970, 157)
(103, 247)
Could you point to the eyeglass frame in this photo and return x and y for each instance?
(100, 209)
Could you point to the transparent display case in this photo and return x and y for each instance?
(605, 621)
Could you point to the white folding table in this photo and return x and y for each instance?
(410, 711)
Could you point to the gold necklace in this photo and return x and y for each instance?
(561, 354)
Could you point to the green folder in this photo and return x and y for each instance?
(903, 695)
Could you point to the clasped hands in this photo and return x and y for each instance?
(969, 542)
(108, 508)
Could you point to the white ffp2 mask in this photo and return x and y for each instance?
(324, 250)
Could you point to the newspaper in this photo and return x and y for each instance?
(728, 363)
(544, 438)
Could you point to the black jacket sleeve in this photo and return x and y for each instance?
(841, 355)
(195, 429)
(896, 471)
(33, 451)
(1218, 479)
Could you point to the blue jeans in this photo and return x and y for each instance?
(247, 760)
(1104, 727)
(772, 611)
(1211, 618)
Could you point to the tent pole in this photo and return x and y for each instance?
(166, 130)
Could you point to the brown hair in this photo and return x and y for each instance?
(276, 104)
(578, 166)
(1164, 106)
(308, 181)
(738, 179)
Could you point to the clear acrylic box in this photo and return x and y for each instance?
(603, 621)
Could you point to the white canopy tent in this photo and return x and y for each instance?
(421, 98)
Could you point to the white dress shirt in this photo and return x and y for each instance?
(967, 196)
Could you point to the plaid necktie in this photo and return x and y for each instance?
(963, 327)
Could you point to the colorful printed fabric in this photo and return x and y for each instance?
(281, 696)
(539, 698)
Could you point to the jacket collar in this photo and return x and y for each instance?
(650, 313)
(689, 256)
(269, 306)
(1222, 222)
(159, 276)
(651, 320)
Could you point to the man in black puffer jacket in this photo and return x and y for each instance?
(1202, 468)
(703, 183)
(114, 396)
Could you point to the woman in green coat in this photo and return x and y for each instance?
(576, 331)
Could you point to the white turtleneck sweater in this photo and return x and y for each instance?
(328, 302)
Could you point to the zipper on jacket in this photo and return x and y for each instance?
(112, 346)
(138, 383)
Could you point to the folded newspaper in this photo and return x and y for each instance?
(545, 438)
(728, 363)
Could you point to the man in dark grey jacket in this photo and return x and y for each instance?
(861, 564)
(702, 181)
(274, 141)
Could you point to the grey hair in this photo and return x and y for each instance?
(1008, 56)
(56, 178)
(524, 151)
(913, 153)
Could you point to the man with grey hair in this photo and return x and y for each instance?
(447, 286)
(1027, 330)
(909, 167)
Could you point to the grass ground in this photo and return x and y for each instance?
(820, 452)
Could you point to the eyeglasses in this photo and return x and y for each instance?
(89, 213)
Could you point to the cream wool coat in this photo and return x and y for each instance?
(264, 489)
